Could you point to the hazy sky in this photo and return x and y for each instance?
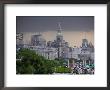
(74, 28)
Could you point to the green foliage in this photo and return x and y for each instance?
(63, 70)
(61, 62)
(31, 63)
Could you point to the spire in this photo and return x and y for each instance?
(59, 24)
(60, 29)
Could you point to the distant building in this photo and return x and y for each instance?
(37, 40)
(60, 44)
(59, 48)
(84, 43)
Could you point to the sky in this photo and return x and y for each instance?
(74, 28)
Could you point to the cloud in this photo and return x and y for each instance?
(45, 23)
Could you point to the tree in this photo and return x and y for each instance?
(32, 63)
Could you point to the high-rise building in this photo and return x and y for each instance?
(38, 40)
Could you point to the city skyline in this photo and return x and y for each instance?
(44, 47)
(74, 40)
(74, 28)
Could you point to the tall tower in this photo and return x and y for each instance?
(59, 39)
(60, 29)
(59, 36)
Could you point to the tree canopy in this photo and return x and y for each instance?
(28, 62)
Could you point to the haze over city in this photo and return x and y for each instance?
(74, 28)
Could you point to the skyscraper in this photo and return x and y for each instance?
(37, 40)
